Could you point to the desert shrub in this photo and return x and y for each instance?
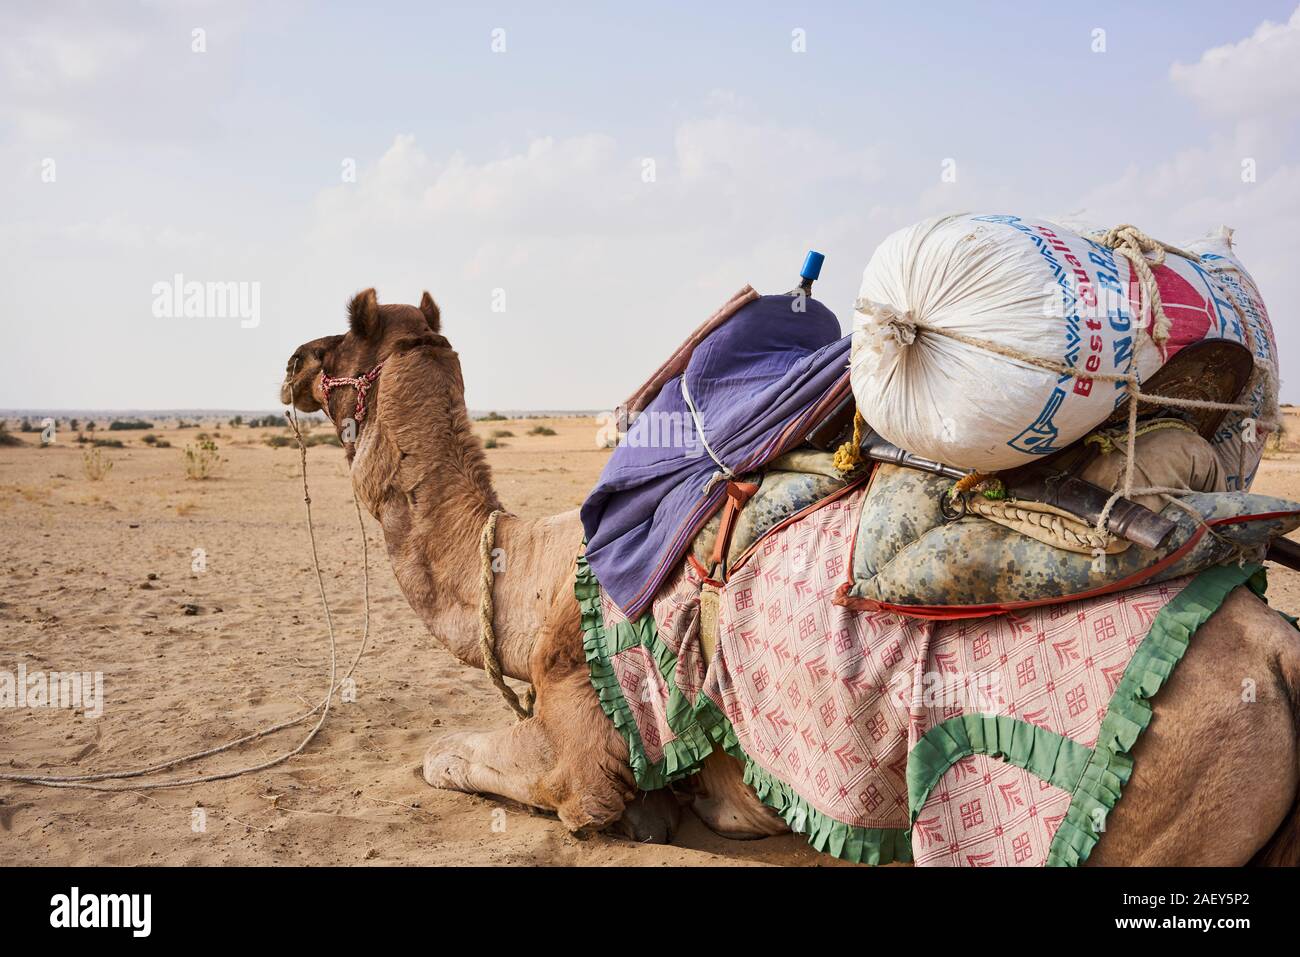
(323, 438)
(162, 444)
(1276, 441)
(502, 434)
(26, 426)
(278, 441)
(95, 464)
(125, 425)
(202, 460)
(108, 444)
(490, 443)
(237, 420)
(267, 422)
(542, 430)
(491, 417)
(149, 439)
(7, 438)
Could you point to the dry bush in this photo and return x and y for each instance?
(202, 460)
(1276, 443)
(95, 464)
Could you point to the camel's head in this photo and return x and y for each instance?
(376, 332)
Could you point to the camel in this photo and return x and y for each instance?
(1216, 777)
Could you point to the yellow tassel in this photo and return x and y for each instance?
(849, 455)
(969, 481)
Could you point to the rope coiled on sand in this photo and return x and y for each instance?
(92, 782)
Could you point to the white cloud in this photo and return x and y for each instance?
(1257, 75)
(44, 57)
(603, 271)
(1255, 83)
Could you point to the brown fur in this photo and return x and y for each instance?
(1215, 779)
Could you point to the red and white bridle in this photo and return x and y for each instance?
(361, 383)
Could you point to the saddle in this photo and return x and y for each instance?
(750, 593)
(761, 396)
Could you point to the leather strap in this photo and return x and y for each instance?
(738, 493)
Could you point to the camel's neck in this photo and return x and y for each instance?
(420, 471)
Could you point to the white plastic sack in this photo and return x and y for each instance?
(1016, 289)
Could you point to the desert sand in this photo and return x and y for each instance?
(98, 576)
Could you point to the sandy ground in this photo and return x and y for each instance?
(78, 596)
(97, 576)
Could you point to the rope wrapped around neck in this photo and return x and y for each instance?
(487, 639)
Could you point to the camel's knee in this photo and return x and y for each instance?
(448, 761)
(728, 806)
(591, 810)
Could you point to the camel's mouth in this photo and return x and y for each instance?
(299, 396)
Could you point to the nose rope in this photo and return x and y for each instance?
(361, 383)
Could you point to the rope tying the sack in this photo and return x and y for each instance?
(487, 639)
(1134, 245)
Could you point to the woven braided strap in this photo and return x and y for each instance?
(1046, 524)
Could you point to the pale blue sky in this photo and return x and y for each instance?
(522, 171)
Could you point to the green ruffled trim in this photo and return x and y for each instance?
(701, 726)
(1094, 776)
(1129, 711)
(1043, 753)
(850, 842)
(862, 845)
(692, 743)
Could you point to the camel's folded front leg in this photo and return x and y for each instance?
(567, 758)
(509, 762)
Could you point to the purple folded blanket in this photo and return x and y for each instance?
(750, 391)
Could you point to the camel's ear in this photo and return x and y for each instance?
(432, 315)
(363, 314)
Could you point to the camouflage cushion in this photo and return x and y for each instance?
(907, 555)
(790, 484)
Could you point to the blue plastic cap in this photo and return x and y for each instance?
(812, 265)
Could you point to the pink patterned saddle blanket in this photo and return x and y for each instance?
(992, 741)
